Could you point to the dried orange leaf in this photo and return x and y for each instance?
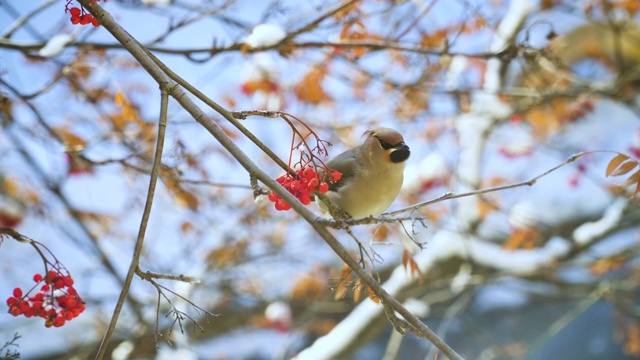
(634, 178)
(119, 98)
(308, 287)
(187, 199)
(71, 140)
(345, 273)
(632, 344)
(625, 168)
(405, 258)
(357, 291)
(414, 267)
(341, 291)
(310, 88)
(615, 162)
(373, 296)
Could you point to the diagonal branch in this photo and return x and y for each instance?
(218, 133)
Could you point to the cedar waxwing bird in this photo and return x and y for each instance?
(372, 174)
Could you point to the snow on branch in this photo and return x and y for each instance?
(590, 231)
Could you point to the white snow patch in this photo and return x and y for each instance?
(461, 279)
(457, 72)
(499, 296)
(432, 168)
(265, 35)
(55, 45)
(524, 215)
(156, 2)
(417, 307)
(590, 231)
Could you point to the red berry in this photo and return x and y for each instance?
(313, 184)
(273, 197)
(68, 281)
(94, 22)
(17, 292)
(71, 303)
(74, 11)
(29, 313)
(305, 198)
(75, 20)
(59, 321)
(45, 288)
(335, 176)
(58, 284)
(85, 19)
(23, 306)
(323, 187)
(308, 173)
(295, 186)
(52, 276)
(37, 278)
(282, 205)
(14, 310)
(11, 301)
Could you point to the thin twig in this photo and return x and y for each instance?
(180, 277)
(450, 195)
(137, 251)
(24, 18)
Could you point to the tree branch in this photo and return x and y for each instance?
(218, 133)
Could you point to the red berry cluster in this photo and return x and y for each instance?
(306, 182)
(80, 16)
(56, 302)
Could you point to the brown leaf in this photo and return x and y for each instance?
(521, 239)
(341, 291)
(615, 162)
(373, 296)
(485, 207)
(434, 40)
(129, 111)
(357, 291)
(70, 139)
(405, 258)
(634, 178)
(183, 197)
(632, 345)
(187, 199)
(310, 88)
(228, 254)
(308, 287)
(625, 168)
(344, 12)
(605, 265)
(380, 233)
(345, 276)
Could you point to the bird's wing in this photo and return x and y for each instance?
(346, 163)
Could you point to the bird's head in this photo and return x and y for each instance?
(387, 143)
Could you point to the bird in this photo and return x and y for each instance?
(372, 174)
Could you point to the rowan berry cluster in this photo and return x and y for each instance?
(56, 302)
(80, 16)
(306, 182)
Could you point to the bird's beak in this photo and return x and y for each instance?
(399, 153)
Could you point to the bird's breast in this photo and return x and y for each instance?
(370, 193)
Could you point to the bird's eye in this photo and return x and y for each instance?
(385, 145)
